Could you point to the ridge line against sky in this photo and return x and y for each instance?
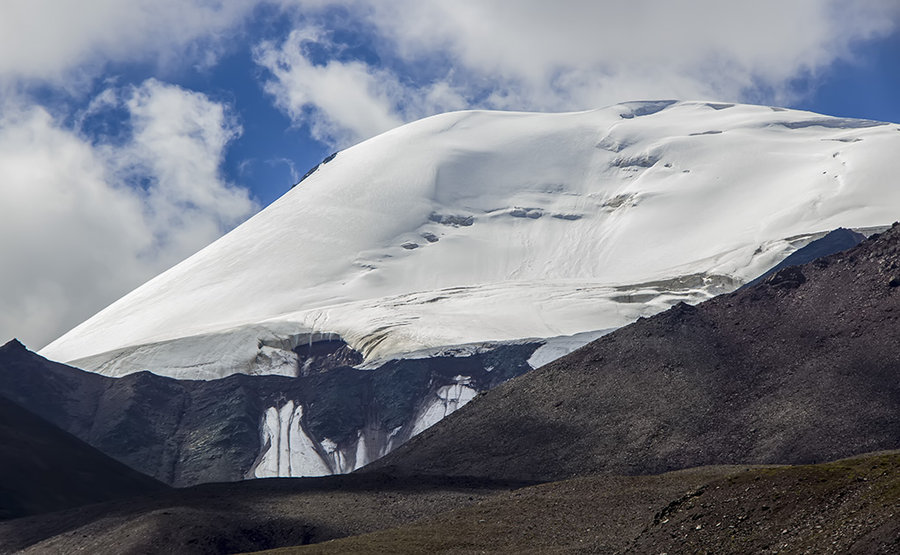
(133, 133)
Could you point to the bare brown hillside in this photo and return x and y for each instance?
(801, 368)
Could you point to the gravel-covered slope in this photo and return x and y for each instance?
(801, 368)
(250, 515)
(848, 506)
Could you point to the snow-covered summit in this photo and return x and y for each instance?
(479, 226)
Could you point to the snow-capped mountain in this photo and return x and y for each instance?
(475, 227)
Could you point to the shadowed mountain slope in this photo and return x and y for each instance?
(153, 424)
(42, 468)
(801, 368)
(185, 432)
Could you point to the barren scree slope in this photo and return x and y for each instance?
(801, 368)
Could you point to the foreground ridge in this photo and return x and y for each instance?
(847, 506)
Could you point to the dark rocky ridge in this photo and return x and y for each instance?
(322, 356)
(313, 169)
(801, 368)
(163, 427)
(185, 432)
(45, 469)
(835, 241)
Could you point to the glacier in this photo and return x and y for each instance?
(484, 227)
(447, 400)
(288, 449)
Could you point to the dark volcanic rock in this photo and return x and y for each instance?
(322, 356)
(452, 220)
(800, 369)
(787, 278)
(313, 169)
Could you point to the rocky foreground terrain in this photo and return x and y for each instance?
(849, 506)
(244, 516)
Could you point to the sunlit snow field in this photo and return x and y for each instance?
(475, 227)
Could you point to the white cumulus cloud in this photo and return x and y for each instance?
(565, 55)
(343, 101)
(83, 223)
(177, 148)
(63, 40)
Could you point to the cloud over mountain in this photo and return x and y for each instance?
(86, 220)
(433, 56)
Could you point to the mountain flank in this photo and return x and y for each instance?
(185, 432)
(801, 368)
(46, 469)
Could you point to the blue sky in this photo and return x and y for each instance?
(868, 86)
(134, 133)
